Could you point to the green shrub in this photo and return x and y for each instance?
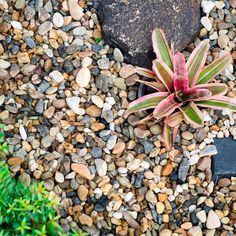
(26, 210)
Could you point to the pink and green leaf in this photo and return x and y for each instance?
(216, 89)
(195, 94)
(164, 73)
(220, 102)
(166, 107)
(167, 135)
(214, 69)
(192, 114)
(155, 85)
(196, 61)
(174, 119)
(145, 72)
(181, 82)
(146, 102)
(161, 47)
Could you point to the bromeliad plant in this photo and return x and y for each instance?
(181, 87)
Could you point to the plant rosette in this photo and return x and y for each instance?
(181, 87)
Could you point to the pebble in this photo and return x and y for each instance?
(45, 27)
(58, 20)
(119, 148)
(232, 3)
(96, 152)
(79, 31)
(223, 41)
(20, 4)
(101, 167)
(183, 169)
(160, 207)
(207, 6)
(97, 101)
(195, 231)
(103, 63)
(30, 43)
(56, 76)
(73, 104)
(213, 220)
(86, 220)
(201, 215)
(206, 23)
(111, 142)
(13, 161)
(81, 170)
(87, 61)
(166, 232)
(82, 192)
(83, 77)
(150, 197)
(75, 10)
(4, 64)
(131, 221)
(59, 177)
(134, 164)
(187, 135)
(209, 150)
(22, 131)
(167, 169)
(118, 56)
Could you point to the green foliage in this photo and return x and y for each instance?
(26, 210)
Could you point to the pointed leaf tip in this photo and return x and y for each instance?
(161, 47)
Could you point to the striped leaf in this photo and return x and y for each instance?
(166, 107)
(167, 135)
(196, 61)
(175, 119)
(220, 102)
(164, 74)
(155, 85)
(161, 47)
(146, 102)
(181, 82)
(145, 72)
(195, 94)
(192, 115)
(216, 89)
(214, 69)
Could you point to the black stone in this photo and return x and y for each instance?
(139, 180)
(99, 208)
(183, 169)
(224, 163)
(128, 24)
(194, 218)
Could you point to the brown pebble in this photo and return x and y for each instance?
(93, 111)
(15, 161)
(119, 148)
(82, 170)
(224, 182)
(167, 169)
(82, 192)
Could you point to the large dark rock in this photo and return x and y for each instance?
(224, 163)
(128, 24)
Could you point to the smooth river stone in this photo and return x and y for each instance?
(83, 77)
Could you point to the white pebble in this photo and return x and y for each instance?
(206, 23)
(83, 77)
(58, 20)
(73, 104)
(56, 76)
(22, 131)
